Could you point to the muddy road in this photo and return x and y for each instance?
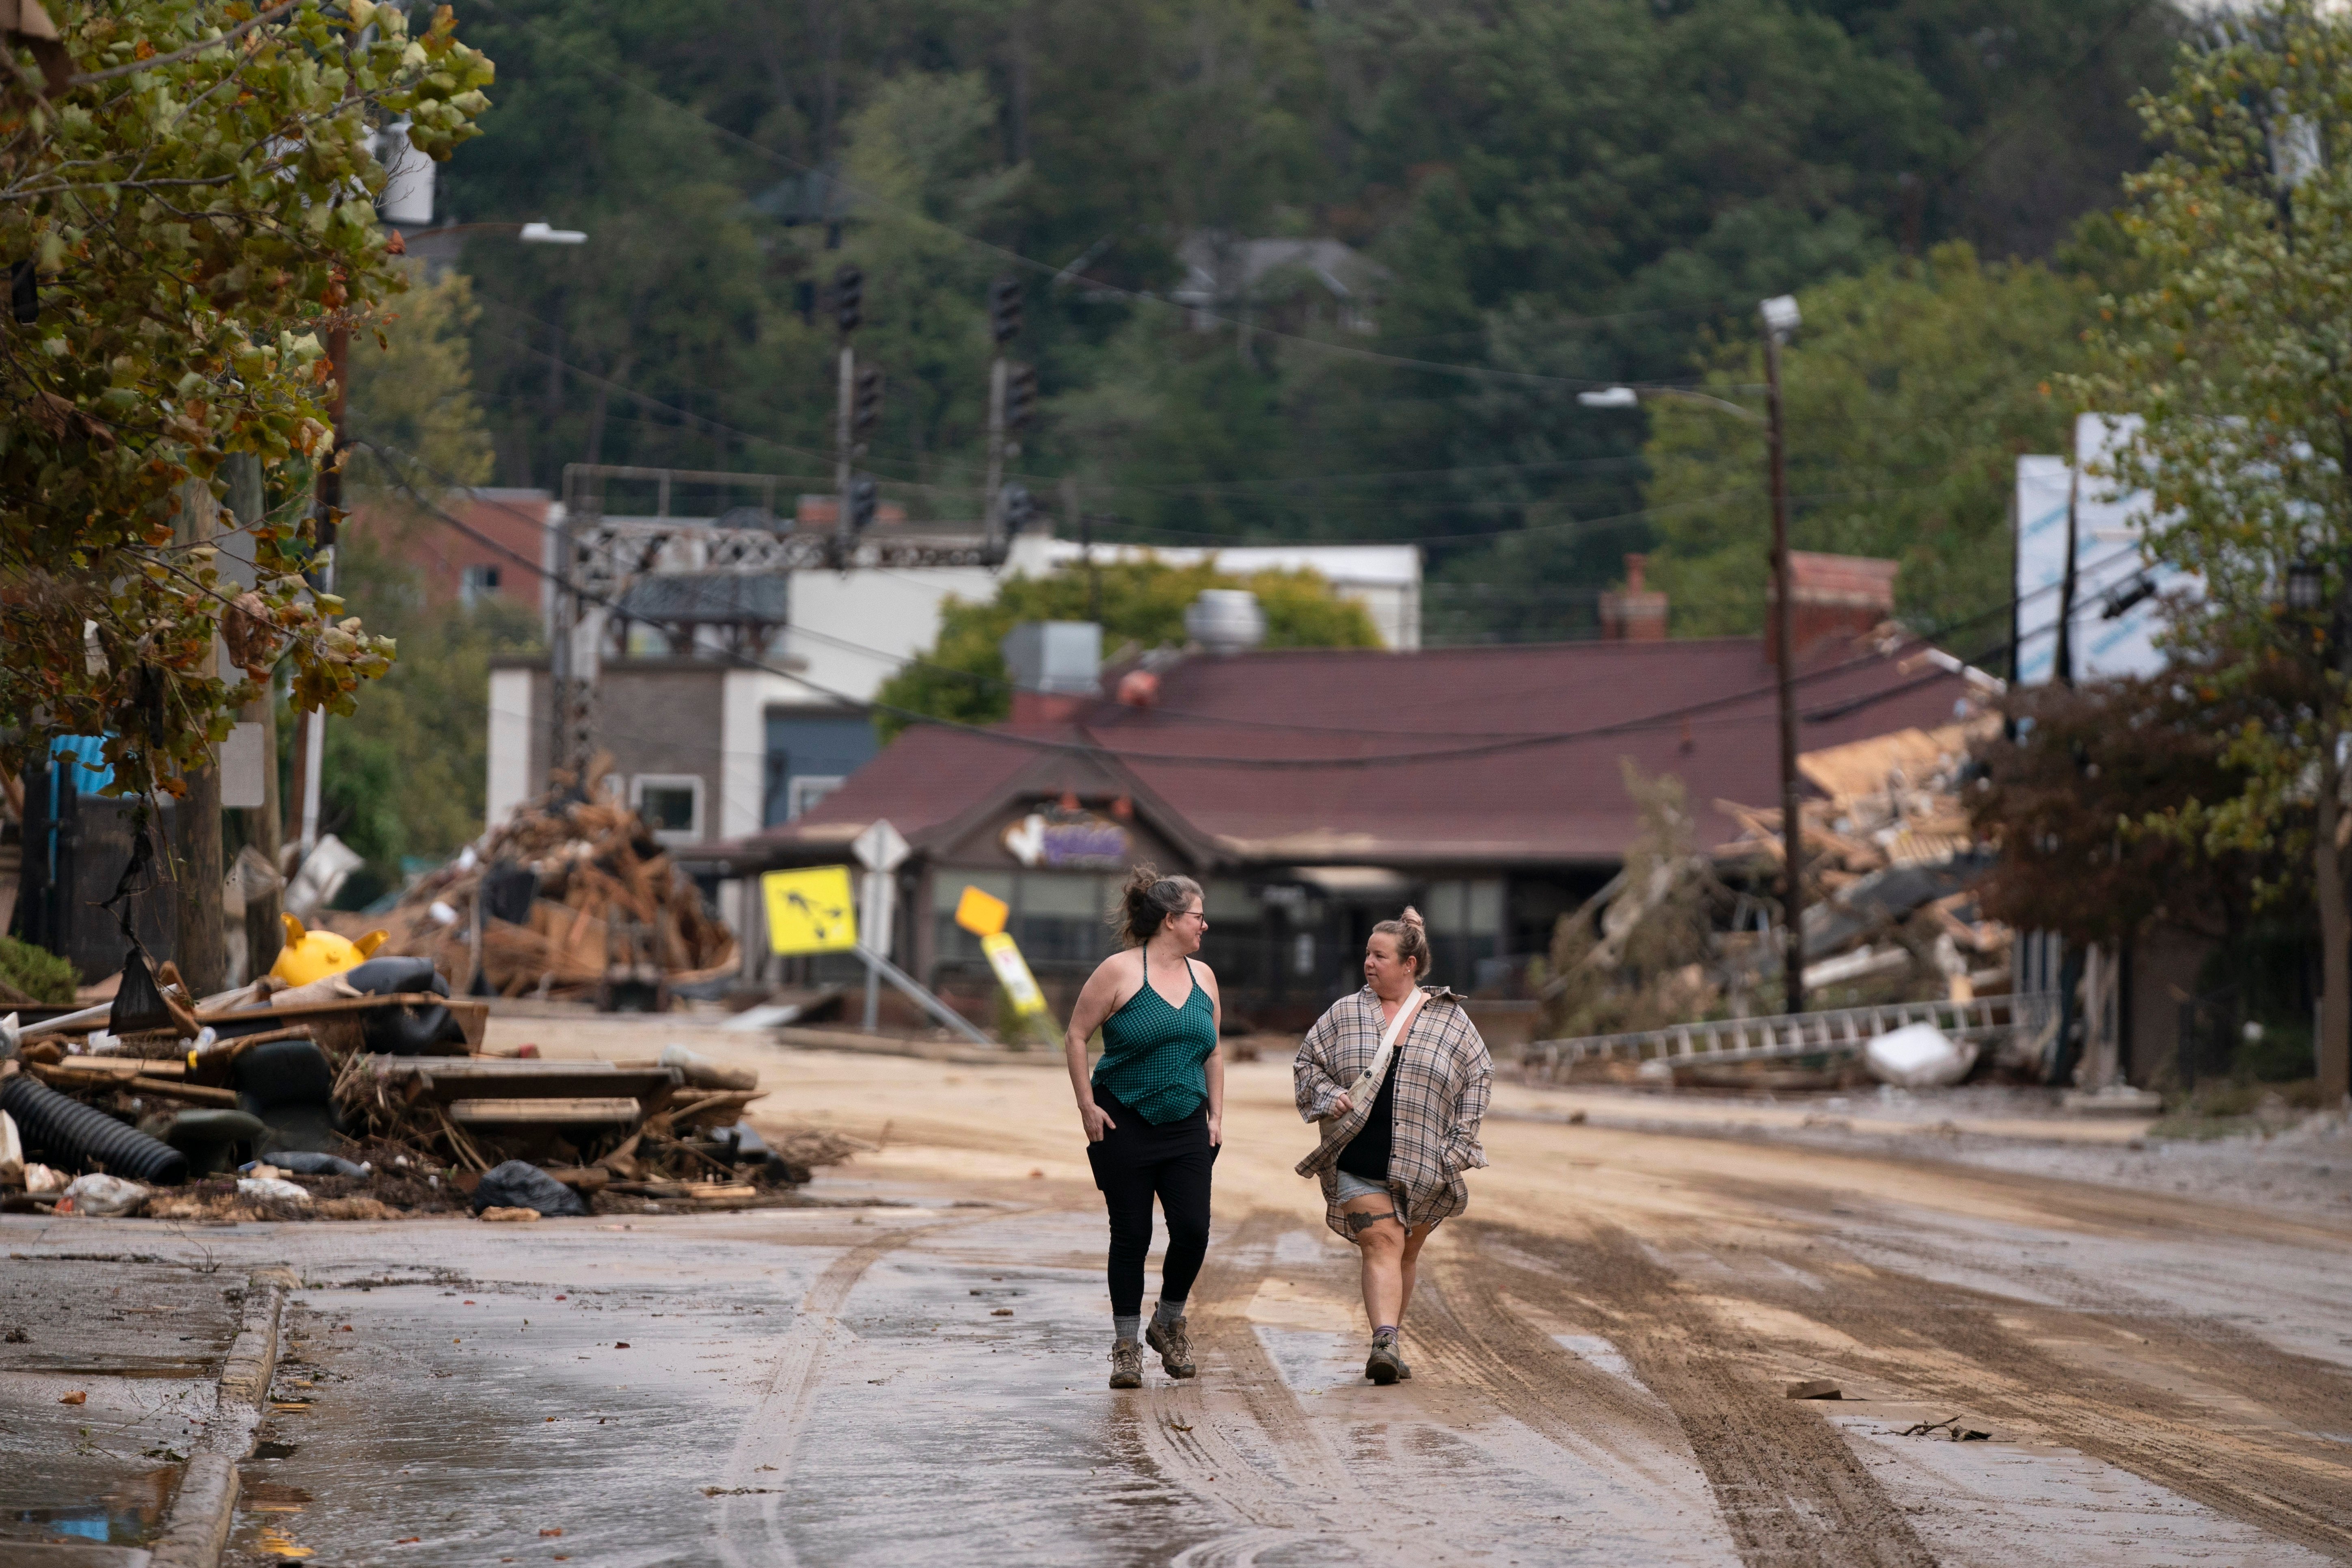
(915, 1374)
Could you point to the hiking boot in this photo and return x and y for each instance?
(1174, 1345)
(1127, 1365)
(1384, 1366)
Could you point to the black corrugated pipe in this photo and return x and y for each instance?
(70, 1133)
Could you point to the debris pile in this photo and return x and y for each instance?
(1683, 935)
(570, 896)
(1889, 860)
(270, 1103)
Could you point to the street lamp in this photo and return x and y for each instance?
(1780, 318)
(2307, 587)
(410, 194)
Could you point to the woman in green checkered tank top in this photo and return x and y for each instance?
(1153, 1107)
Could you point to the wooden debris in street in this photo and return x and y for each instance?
(570, 896)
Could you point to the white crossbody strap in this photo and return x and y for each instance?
(1368, 1085)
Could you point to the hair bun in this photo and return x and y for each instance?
(1412, 916)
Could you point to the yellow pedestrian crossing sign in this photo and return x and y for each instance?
(809, 911)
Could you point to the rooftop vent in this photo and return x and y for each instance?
(1226, 620)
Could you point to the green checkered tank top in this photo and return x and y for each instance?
(1153, 1052)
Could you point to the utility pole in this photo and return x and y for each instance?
(849, 311)
(264, 829)
(1780, 321)
(201, 946)
(2062, 662)
(1003, 325)
(310, 750)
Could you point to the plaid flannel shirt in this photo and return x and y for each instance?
(1443, 1076)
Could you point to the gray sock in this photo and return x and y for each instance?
(1169, 1313)
(1127, 1326)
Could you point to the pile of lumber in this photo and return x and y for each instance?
(1889, 862)
(664, 1130)
(570, 896)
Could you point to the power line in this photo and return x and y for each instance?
(1494, 747)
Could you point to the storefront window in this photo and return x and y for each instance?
(1059, 917)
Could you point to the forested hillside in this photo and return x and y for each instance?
(1560, 192)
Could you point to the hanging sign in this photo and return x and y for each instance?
(809, 911)
(1066, 840)
(1013, 974)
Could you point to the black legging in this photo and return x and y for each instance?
(1135, 1160)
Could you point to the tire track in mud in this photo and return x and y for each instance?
(1792, 1491)
(2312, 1393)
(1185, 1425)
(1521, 1371)
(1316, 1496)
(1914, 1331)
(773, 1425)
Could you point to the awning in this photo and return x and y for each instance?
(1365, 882)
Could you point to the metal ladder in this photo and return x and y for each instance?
(1842, 1031)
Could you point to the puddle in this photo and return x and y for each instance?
(128, 1515)
(1601, 1353)
(1314, 1361)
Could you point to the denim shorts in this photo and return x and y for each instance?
(1353, 1187)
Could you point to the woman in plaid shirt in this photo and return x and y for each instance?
(1392, 1168)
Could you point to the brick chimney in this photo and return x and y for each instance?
(1633, 614)
(1836, 598)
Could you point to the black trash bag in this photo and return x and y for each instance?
(410, 1030)
(507, 891)
(520, 1185)
(290, 1087)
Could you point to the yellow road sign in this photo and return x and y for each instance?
(809, 911)
(981, 914)
(1013, 972)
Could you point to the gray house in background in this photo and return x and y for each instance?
(1283, 284)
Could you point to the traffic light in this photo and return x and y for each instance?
(864, 496)
(1018, 508)
(848, 297)
(1005, 309)
(1020, 396)
(865, 404)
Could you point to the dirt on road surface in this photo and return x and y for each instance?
(1599, 1351)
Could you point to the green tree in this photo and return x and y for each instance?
(2238, 361)
(412, 407)
(962, 677)
(406, 772)
(1908, 396)
(197, 200)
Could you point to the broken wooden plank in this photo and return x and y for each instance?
(454, 1078)
(720, 1110)
(549, 1113)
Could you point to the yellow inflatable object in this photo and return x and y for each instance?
(311, 955)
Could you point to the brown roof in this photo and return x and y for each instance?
(1520, 748)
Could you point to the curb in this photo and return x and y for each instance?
(196, 1531)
